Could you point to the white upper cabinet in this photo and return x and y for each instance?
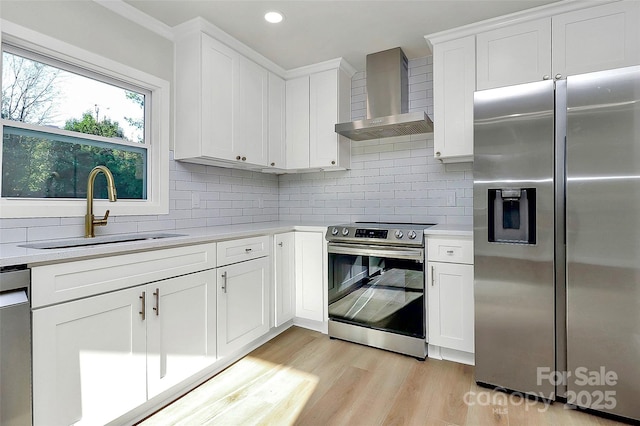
(221, 104)
(277, 113)
(586, 40)
(251, 113)
(329, 103)
(515, 54)
(454, 81)
(297, 123)
(316, 102)
(597, 38)
(219, 78)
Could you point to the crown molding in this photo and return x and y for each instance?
(137, 16)
(331, 64)
(539, 12)
(201, 24)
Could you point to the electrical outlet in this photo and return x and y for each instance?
(451, 200)
(195, 200)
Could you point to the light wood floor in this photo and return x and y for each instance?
(303, 377)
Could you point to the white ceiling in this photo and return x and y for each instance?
(314, 31)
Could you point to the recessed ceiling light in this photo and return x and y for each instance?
(273, 17)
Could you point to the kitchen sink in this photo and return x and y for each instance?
(107, 239)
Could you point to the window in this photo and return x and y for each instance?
(65, 111)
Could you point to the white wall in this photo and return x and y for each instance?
(393, 179)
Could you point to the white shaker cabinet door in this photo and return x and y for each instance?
(181, 328)
(89, 359)
(251, 114)
(451, 310)
(297, 123)
(243, 304)
(219, 81)
(454, 81)
(597, 38)
(310, 270)
(514, 54)
(277, 111)
(285, 277)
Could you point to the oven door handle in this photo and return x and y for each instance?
(371, 250)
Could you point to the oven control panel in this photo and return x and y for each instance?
(395, 234)
(371, 233)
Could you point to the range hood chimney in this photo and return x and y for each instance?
(387, 101)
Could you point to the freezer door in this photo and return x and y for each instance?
(514, 274)
(603, 241)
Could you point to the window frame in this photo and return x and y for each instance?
(157, 118)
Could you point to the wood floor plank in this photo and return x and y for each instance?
(389, 371)
(303, 377)
(336, 404)
(487, 407)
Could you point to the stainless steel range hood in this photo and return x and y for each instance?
(387, 101)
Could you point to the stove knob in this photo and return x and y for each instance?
(345, 231)
(398, 234)
(334, 231)
(412, 235)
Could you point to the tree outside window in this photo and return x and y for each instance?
(43, 158)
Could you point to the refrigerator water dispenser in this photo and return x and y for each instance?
(512, 215)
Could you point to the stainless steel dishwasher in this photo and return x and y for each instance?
(15, 346)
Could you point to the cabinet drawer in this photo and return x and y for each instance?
(62, 282)
(453, 250)
(243, 249)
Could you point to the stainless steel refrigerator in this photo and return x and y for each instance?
(557, 239)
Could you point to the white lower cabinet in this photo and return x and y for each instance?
(97, 358)
(285, 278)
(450, 306)
(310, 270)
(84, 352)
(243, 304)
(181, 329)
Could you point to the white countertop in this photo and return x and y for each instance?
(13, 254)
(450, 230)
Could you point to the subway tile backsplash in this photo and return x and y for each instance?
(394, 179)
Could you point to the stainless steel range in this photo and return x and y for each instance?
(376, 285)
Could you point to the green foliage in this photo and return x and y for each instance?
(89, 125)
(42, 167)
(138, 99)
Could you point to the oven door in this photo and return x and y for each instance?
(378, 287)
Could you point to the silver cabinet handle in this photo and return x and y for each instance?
(244, 158)
(558, 76)
(224, 283)
(546, 77)
(449, 251)
(248, 250)
(238, 157)
(157, 307)
(433, 275)
(143, 313)
(280, 244)
(438, 154)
